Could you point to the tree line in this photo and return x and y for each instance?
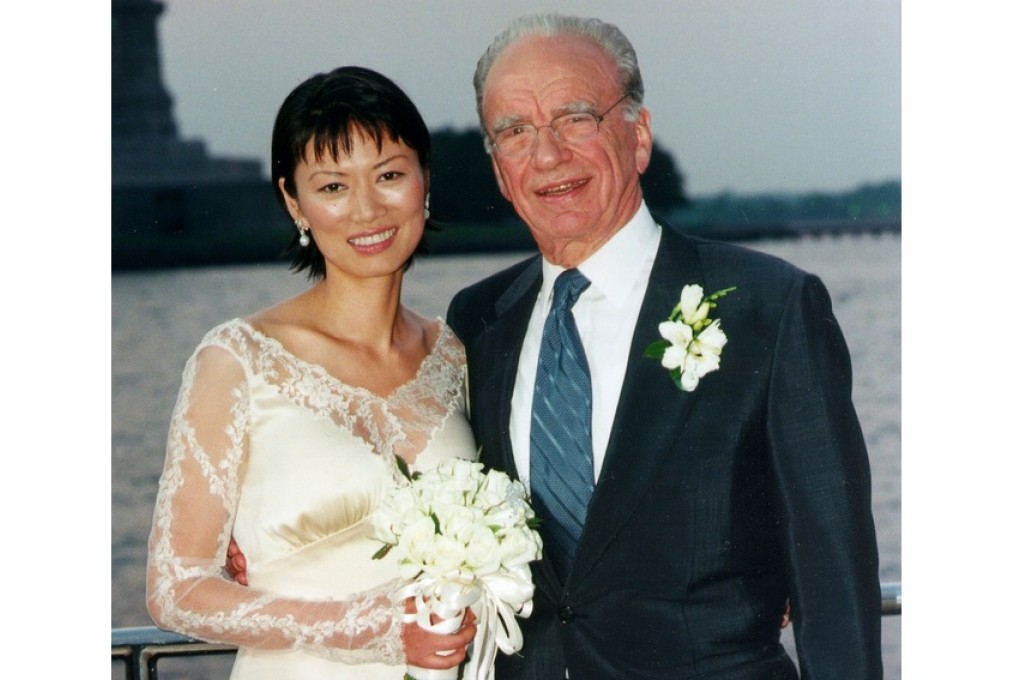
(476, 218)
(234, 222)
(464, 188)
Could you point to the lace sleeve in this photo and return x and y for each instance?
(187, 588)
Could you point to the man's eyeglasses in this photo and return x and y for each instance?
(520, 139)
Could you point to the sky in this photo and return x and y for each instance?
(749, 96)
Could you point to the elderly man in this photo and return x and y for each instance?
(685, 504)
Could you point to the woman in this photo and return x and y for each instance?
(289, 422)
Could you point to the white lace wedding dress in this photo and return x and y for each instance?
(293, 462)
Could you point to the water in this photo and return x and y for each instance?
(159, 317)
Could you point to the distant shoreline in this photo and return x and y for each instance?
(269, 245)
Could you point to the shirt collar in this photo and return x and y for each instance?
(615, 267)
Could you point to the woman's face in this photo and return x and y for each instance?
(365, 210)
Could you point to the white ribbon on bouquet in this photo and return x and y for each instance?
(497, 599)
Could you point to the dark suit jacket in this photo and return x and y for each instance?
(713, 507)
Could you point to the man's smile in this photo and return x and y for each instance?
(563, 188)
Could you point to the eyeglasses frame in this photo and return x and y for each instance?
(492, 145)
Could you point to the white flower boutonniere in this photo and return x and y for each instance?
(692, 343)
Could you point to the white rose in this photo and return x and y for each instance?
(393, 512)
(418, 537)
(446, 555)
(495, 489)
(435, 496)
(465, 473)
(457, 521)
(482, 555)
(518, 547)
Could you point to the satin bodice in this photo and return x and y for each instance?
(292, 462)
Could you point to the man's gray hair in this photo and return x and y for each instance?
(607, 37)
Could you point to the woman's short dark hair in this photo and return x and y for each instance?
(325, 110)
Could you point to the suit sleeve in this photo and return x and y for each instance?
(824, 482)
(454, 317)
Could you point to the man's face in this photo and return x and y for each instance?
(573, 197)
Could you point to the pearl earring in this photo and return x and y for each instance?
(427, 213)
(303, 239)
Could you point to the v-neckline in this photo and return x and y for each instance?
(320, 371)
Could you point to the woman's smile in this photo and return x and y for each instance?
(373, 242)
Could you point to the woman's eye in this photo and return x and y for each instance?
(332, 188)
(390, 176)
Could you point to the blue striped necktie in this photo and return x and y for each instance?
(562, 477)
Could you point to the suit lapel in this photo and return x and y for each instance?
(651, 409)
(501, 345)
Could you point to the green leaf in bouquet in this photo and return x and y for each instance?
(402, 466)
(383, 551)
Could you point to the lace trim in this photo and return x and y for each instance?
(402, 424)
(207, 446)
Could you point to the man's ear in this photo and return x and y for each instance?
(643, 130)
(499, 177)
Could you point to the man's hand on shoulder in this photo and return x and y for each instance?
(236, 565)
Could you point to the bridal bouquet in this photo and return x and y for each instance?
(463, 538)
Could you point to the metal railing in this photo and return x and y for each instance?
(892, 596)
(141, 648)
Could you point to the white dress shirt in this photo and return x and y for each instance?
(606, 314)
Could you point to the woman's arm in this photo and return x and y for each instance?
(187, 590)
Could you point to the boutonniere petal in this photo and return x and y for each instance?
(692, 343)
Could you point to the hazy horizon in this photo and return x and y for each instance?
(748, 97)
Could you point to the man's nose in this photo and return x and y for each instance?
(549, 148)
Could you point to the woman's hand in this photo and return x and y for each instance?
(435, 650)
(421, 647)
(236, 565)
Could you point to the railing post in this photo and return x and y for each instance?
(150, 658)
(142, 648)
(892, 599)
